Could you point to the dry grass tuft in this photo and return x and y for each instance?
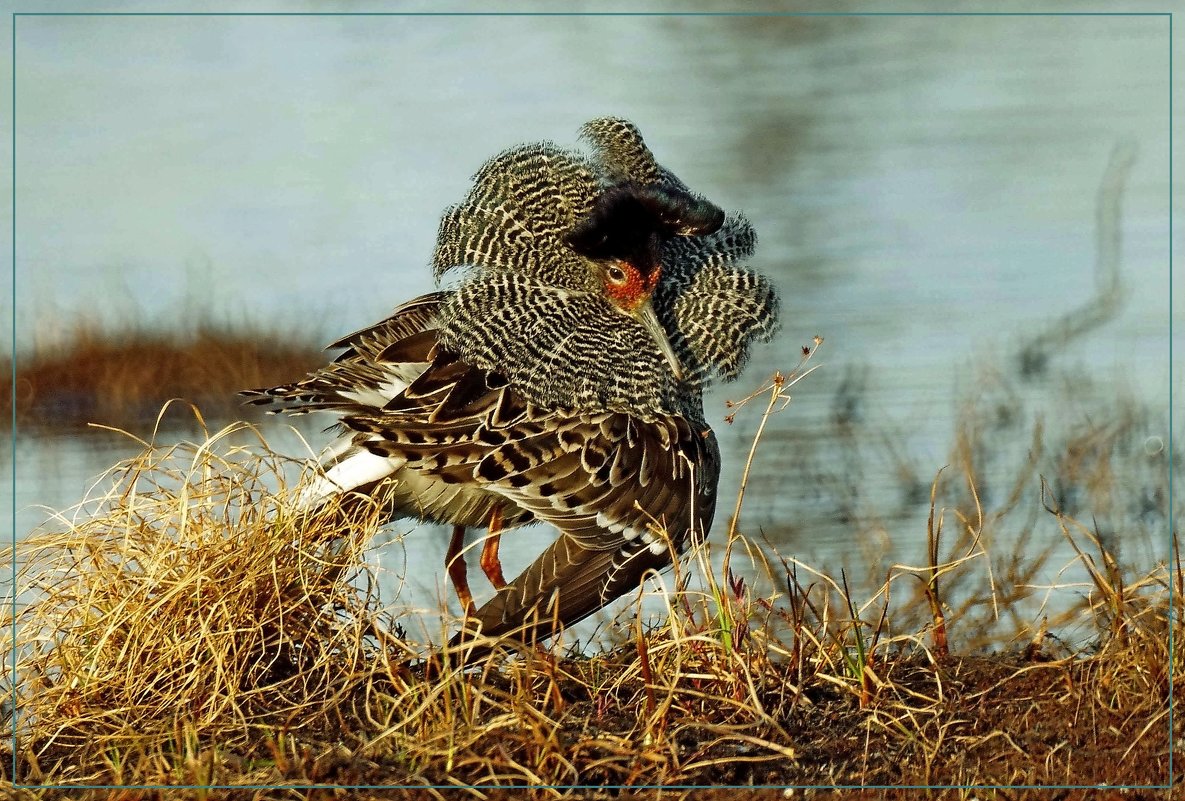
(189, 604)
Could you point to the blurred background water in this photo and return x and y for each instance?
(924, 189)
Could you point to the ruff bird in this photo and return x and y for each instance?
(559, 380)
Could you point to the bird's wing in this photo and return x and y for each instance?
(616, 486)
(377, 363)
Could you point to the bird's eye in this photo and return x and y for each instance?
(616, 274)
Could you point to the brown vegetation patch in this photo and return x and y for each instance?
(121, 379)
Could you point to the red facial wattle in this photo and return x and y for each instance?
(634, 290)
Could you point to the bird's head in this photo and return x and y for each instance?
(622, 239)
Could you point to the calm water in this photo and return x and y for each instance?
(924, 189)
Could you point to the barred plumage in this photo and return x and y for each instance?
(561, 378)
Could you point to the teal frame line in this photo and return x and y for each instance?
(563, 787)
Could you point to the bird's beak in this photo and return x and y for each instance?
(645, 315)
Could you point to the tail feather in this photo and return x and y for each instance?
(358, 470)
(567, 583)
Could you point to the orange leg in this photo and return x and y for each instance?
(490, 564)
(454, 562)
